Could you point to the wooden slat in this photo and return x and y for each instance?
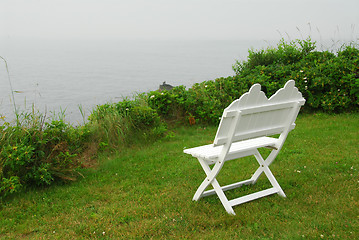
(267, 108)
(210, 151)
(228, 114)
(228, 187)
(252, 196)
(251, 134)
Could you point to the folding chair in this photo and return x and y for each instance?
(245, 126)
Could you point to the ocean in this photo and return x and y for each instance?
(64, 76)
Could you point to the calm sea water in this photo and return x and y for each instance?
(59, 76)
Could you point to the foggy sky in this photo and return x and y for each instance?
(178, 19)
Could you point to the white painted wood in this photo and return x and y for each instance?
(210, 151)
(228, 187)
(252, 196)
(247, 124)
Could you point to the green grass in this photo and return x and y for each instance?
(146, 192)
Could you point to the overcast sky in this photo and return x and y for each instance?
(178, 19)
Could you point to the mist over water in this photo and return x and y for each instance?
(61, 76)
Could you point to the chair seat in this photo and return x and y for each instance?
(211, 152)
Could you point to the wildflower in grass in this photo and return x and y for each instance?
(152, 96)
(301, 71)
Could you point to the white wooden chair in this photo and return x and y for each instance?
(245, 126)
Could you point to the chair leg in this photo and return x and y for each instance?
(205, 182)
(211, 175)
(211, 180)
(222, 197)
(268, 161)
(264, 168)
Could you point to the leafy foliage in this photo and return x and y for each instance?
(125, 122)
(329, 82)
(37, 153)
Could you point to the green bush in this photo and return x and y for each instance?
(9, 185)
(35, 153)
(284, 54)
(123, 122)
(328, 81)
(169, 104)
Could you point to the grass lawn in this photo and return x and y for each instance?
(146, 192)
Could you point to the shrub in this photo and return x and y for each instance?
(328, 81)
(123, 122)
(285, 53)
(35, 153)
(9, 185)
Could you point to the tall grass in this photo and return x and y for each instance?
(10, 84)
(126, 122)
(333, 43)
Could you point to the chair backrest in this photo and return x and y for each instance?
(254, 115)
